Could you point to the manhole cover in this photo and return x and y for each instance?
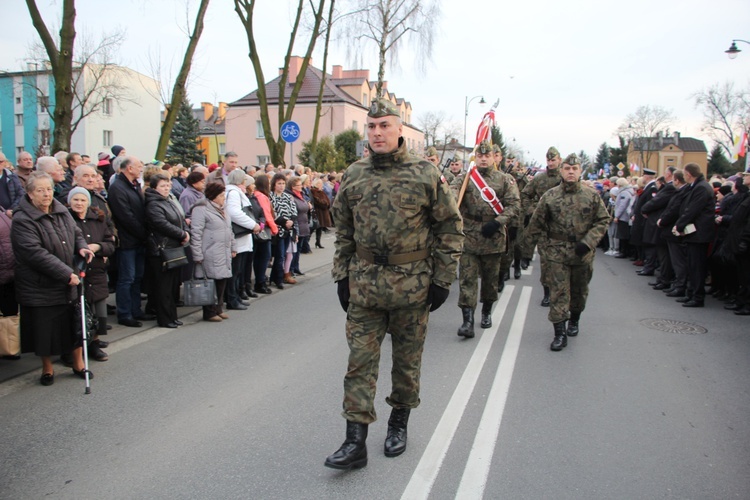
(673, 326)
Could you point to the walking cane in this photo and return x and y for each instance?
(81, 264)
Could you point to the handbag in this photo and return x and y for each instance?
(242, 230)
(10, 339)
(264, 235)
(172, 258)
(199, 292)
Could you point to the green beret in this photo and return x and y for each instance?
(382, 107)
(553, 153)
(511, 156)
(485, 147)
(431, 151)
(496, 149)
(572, 159)
(456, 159)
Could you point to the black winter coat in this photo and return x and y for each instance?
(639, 221)
(166, 224)
(671, 213)
(698, 208)
(128, 212)
(44, 246)
(95, 230)
(739, 228)
(653, 208)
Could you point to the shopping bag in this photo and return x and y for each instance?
(10, 340)
(199, 291)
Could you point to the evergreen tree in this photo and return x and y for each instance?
(619, 155)
(325, 158)
(718, 163)
(346, 141)
(183, 146)
(497, 138)
(602, 157)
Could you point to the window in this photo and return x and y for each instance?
(44, 137)
(355, 125)
(19, 119)
(263, 159)
(107, 138)
(222, 148)
(19, 150)
(107, 107)
(364, 99)
(259, 133)
(18, 100)
(43, 103)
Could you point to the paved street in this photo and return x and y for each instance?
(249, 408)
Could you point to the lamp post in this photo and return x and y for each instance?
(732, 51)
(466, 111)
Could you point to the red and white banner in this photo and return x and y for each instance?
(488, 194)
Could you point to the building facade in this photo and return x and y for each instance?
(660, 152)
(127, 114)
(347, 95)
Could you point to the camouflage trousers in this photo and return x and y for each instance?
(569, 288)
(365, 330)
(470, 269)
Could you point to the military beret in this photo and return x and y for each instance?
(431, 151)
(572, 159)
(485, 147)
(511, 156)
(496, 149)
(648, 171)
(456, 159)
(382, 107)
(552, 153)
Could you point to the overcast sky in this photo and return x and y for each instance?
(566, 72)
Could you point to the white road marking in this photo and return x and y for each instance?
(424, 476)
(477, 468)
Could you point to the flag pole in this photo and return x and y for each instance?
(482, 134)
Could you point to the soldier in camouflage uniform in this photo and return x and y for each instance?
(530, 197)
(572, 218)
(398, 241)
(519, 174)
(507, 257)
(485, 238)
(454, 169)
(432, 156)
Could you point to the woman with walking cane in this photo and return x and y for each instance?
(45, 239)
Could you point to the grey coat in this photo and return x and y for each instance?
(211, 240)
(622, 202)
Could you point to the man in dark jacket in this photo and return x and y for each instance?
(652, 210)
(696, 228)
(677, 253)
(129, 215)
(639, 224)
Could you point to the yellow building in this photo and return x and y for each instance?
(660, 152)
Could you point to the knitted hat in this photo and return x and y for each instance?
(79, 190)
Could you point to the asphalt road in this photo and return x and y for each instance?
(250, 408)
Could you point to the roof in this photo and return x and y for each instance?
(686, 144)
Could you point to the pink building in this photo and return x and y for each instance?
(346, 99)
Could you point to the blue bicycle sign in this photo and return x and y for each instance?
(290, 131)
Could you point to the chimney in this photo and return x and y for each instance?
(337, 71)
(676, 137)
(660, 138)
(295, 64)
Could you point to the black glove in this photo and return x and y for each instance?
(512, 233)
(436, 296)
(489, 229)
(343, 291)
(526, 220)
(582, 249)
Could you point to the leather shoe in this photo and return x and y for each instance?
(676, 293)
(130, 322)
(47, 379)
(103, 344)
(745, 311)
(252, 294)
(646, 273)
(653, 283)
(517, 274)
(684, 299)
(178, 322)
(213, 319)
(169, 325)
(732, 307)
(82, 373)
(661, 286)
(693, 303)
(237, 307)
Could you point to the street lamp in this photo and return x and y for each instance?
(466, 111)
(732, 51)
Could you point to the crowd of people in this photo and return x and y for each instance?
(139, 231)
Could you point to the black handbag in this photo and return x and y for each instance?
(172, 258)
(238, 230)
(199, 292)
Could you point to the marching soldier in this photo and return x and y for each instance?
(519, 175)
(490, 202)
(572, 219)
(454, 169)
(530, 196)
(432, 156)
(398, 240)
(507, 257)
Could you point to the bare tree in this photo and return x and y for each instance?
(388, 23)
(641, 128)
(431, 122)
(319, 104)
(179, 90)
(245, 11)
(725, 112)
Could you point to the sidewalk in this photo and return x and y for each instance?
(315, 261)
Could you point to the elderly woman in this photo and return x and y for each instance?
(213, 245)
(246, 282)
(193, 193)
(45, 241)
(167, 229)
(296, 185)
(281, 248)
(263, 247)
(623, 210)
(322, 207)
(93, 225)
(236, 205)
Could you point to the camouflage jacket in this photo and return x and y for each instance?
(568, 214)
(393, 204)
(476, 212)
(539, 185)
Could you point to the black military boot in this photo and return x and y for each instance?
(545, 299)
(517, 269)
(486, 315)
(561, 340)
(467, 328)
(353, 453)
(395, 440)
(573, 324)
